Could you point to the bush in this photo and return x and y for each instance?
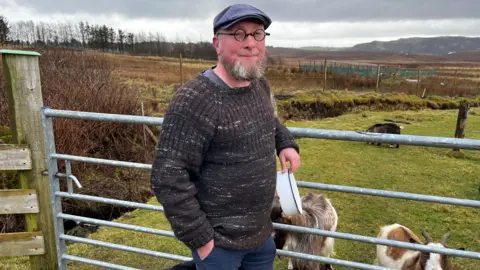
(83, 82)
(332, 104)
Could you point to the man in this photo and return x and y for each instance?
(214, 170)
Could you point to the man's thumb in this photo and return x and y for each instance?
(282, 163)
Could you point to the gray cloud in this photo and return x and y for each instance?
(279, 10)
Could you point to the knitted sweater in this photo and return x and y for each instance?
(214, 169)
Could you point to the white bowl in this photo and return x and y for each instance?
(288, 194)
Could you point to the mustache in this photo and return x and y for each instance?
(248, 54)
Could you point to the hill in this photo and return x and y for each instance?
(320, 48)
(442, 49)
(417, 45)
(378, 57)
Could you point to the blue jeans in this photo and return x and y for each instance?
(228, 259)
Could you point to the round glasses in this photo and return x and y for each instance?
(241, 35)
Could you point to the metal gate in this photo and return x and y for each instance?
(59, 217)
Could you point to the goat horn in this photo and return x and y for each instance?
(445, 238)
(427, 237)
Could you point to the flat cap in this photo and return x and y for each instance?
(238, 12)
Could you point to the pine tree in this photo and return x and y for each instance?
(4, 30)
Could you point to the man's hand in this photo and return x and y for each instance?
(290, 155)
(204, 251)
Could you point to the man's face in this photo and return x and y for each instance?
(243, 60)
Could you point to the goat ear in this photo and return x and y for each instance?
(413, 241)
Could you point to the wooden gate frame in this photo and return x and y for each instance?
(27, 156)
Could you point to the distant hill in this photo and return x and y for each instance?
(416, 45)
(443, 49)
(325, 49)
(294, 55)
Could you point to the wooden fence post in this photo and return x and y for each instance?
(454, 82)
(418, 82)
(144, 127)
(181, 69)
(378, 78)
(461, 121)
(325, 73)
(24, 94)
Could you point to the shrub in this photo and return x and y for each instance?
(83, 82)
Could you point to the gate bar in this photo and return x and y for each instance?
(325, 260)
(100, 161)
(96, 263)
(386, 138)
(378, 241)
(339, 188)
(100, 222)
(107, 117)
(391, 194)
(124, 248)
(300, 229)
(171, 234)
(109, 201)
(429, 141)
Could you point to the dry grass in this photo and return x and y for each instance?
(156, 78)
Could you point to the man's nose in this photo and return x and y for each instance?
(250, 41)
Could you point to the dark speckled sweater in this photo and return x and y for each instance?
(214, 170)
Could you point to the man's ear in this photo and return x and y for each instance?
(216, 44)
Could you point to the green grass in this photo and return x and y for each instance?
(410, 169)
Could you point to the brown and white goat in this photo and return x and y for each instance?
(405, 259)
(318, 213)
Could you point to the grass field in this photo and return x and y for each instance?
(155, 74)
(409, 168)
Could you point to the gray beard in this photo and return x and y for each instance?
(240, 73)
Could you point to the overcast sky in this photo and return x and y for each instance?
(296, 23)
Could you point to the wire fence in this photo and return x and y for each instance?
(365, 70)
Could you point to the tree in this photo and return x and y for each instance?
(131, 42)
(41, 33)
(121, 40)
(102, 38)
(81, 26)
(111, 36)
(4, 30)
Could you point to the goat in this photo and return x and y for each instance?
(318, 213)
(277, 216)
(405, 259)
(390, 128)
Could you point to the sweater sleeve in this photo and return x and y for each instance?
(184, 139)
(283, 137)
